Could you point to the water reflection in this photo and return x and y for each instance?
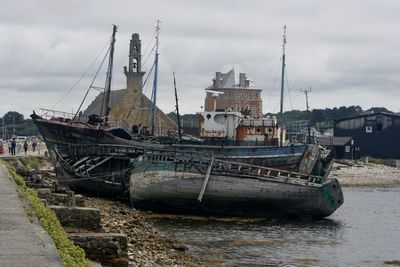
(361, 233)
(253, 241)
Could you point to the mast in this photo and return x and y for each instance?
(154, 100)
(282, 79)
(105, 107)
(306, 91)
(177, 110)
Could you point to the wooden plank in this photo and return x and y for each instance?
(98, 164)
(205, 182)
(80, 161)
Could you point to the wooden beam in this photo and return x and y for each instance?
(205, 182)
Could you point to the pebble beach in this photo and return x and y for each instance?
(357, 173)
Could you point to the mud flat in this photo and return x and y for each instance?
(361, 174)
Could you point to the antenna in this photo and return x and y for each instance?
(306, 91)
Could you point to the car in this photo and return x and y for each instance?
(21, 139)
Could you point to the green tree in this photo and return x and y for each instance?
(13, 117)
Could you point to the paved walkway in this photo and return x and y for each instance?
(22, 243)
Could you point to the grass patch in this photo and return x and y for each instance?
(31, 162)
(72, 255)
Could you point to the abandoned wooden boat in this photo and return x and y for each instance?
(176, 183)
(188, 182)
(303, 158)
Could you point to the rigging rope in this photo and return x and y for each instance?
(148, 46)
(288, 89)
(274, 83)
(83, 75)
(150, 54)
(91, 84)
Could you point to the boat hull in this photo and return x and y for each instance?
(294, 158)
(56, 132)
(108, 186)
(160, 187)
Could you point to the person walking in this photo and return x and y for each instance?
(25, 146)
(13, 145)
(9, 146)
(34, 144)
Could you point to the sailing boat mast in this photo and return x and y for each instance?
(177, 110)
(282, 79)
(105, 108)
(306, 91)
(153, 118)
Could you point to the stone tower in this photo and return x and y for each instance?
(134, 73)
(134, 107)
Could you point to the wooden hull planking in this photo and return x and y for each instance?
(160, 187)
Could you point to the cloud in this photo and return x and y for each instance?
(340, 49)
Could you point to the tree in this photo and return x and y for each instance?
(13, 117)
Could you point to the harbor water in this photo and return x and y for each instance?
(365, 231)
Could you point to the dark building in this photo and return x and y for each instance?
(341, 147)
(376, 133)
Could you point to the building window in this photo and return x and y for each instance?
(347, 149)
(379, 127)
(368, 129)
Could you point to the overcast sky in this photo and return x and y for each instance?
(346, 51)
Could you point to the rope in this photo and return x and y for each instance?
(83, 75)
(274, 84)
(91, 84)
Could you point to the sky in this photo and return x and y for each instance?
(347, 52)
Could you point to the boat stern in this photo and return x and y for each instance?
(331, 197)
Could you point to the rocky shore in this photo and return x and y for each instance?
(146, 247)
(358, 173)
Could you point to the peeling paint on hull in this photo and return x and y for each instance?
(160, 187)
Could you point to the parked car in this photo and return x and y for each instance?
(21, 139)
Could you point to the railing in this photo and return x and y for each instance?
(52, 114)
(232, 167)
(159, 153)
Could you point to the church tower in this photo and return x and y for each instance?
(133, 107)
(134, 73)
